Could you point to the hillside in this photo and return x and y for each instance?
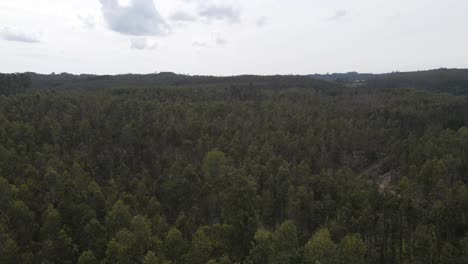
(91, 82)
(441, 80)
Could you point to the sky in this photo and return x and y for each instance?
(232, 37)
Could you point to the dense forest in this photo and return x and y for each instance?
(166, 168)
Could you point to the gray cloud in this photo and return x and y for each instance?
(142, 44)
(181, 16)
(261, 21)
(139, 18)
(338, 14)
(220, 12)
(8, 34)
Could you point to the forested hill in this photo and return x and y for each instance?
(159, 169)
(453, 81)
(92, 82)
(11, 84)
(441, 80)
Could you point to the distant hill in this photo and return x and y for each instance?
(87, 81)
(453, 81)
(441, 80)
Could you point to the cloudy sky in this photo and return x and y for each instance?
(230, 37)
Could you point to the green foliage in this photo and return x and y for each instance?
(151, 258)
(119, 216)
(51, 222)
(9, 252)
(212, 165)
(174, 244)
(201, 248)
(285, 243)
(320, 249)
(352, 250)
(263, 247)
(87, 257)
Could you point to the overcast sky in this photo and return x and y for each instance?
(227, 37)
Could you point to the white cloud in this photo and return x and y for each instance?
(87, 21)
(139, 18)
(181, 16)
(142, 44)
(227, 13)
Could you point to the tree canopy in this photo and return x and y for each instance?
(195, 170)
